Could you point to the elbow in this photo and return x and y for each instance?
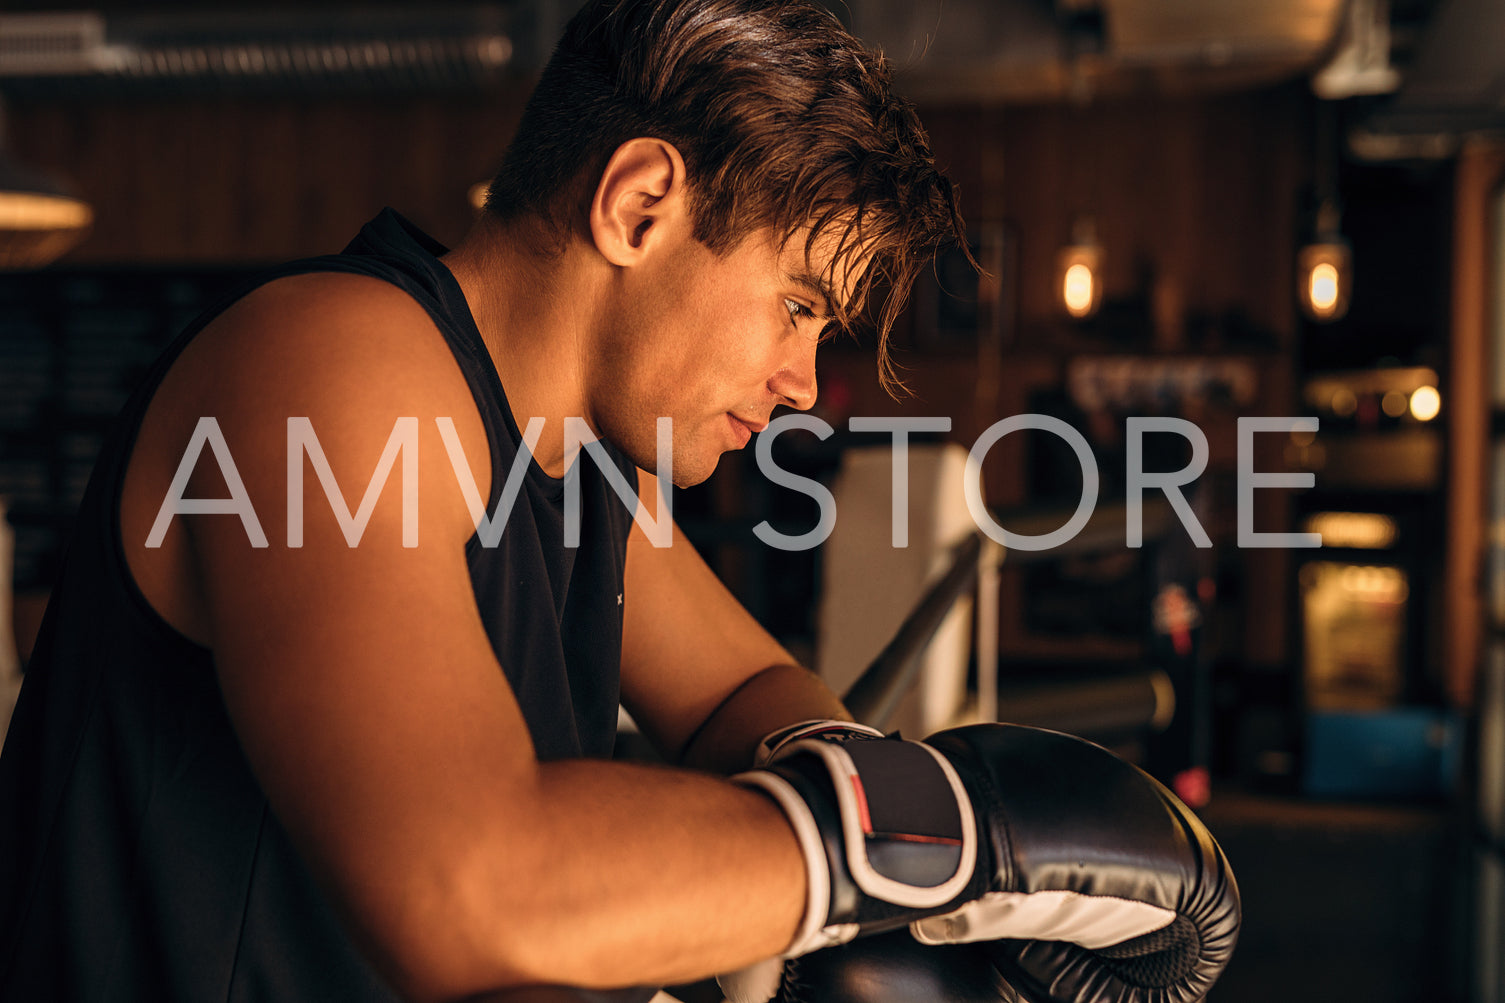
(427, 978)
(455, 930)
(444, 960)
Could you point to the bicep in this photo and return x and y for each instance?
(687, 643)
(363, 690)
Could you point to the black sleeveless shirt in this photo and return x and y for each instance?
(138, 857)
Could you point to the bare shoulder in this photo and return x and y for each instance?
(351, 358)
(349, 353)
(304, 336)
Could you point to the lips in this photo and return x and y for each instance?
(743, 430)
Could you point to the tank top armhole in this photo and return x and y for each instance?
(115, 458)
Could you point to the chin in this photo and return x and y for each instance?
(693, 466)
(684, 478)
(695, 459)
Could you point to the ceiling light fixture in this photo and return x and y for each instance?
(39, 219)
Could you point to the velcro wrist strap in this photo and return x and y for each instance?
(907, 823)
(887, 824)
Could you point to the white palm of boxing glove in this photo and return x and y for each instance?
(1105, 885)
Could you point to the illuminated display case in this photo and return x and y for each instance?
(1370, 692)
(1354, 617)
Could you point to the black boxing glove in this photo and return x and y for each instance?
(1087, 852)
(1094, 854)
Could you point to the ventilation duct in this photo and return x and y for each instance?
(303, 50)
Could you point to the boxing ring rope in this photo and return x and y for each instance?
(876, 694)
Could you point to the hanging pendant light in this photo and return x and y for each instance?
(1324, 266)
(1324, 269)
(39, 219)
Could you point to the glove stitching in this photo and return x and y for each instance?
(998, 823)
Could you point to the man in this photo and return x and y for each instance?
(273, 748)
(699, 191)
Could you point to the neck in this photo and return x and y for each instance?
(534, 312)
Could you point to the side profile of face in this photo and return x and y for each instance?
(712, 341)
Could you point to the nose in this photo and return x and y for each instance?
(794, 382)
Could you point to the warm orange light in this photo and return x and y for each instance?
(1323, 288)
(1079, 276)
(1355, 530)
(41, 211)
(1426, 402)
(1077, 289)
(1324, 280)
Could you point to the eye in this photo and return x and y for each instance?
(798, 311)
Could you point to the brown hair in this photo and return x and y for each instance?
(784, 120)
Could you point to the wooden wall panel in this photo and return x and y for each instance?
(1195, 200)
(268, 174)
(197, 180)
(1199, 194)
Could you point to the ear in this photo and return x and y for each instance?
(641, 190)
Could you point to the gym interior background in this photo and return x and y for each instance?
(1186, 210)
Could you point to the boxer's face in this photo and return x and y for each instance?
(714, 342)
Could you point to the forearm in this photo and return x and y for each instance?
(612, 874)
(696, 875)
(775, 697)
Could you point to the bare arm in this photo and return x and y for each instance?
(777, 696)
(700, 676)
(369, 703)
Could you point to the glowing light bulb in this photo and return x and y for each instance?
(1077, 289)
(1324, 275)
(1324, 288)
(1425, 403)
